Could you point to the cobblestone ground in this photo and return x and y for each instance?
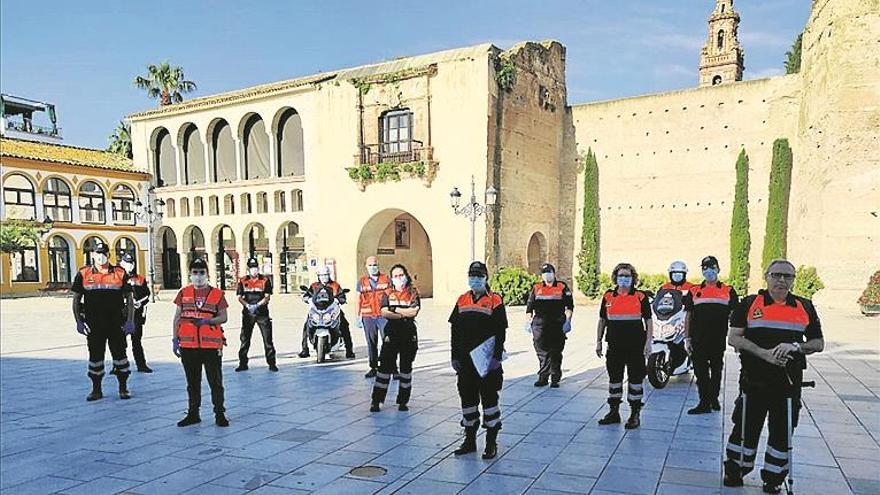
(304, 429)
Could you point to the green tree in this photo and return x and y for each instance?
(740, 239)
(776, 233)
(120, 140)
(165, 82)
(513, 284)
(588, 257)
(793, 56)
(807, 282)
(16, 235)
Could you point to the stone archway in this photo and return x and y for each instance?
(537, 252)
(168, 258)
(395, 236)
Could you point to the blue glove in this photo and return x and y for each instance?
(566, 327)
(128, 328)
(456, 365)
(175, 346)
(359, 322)
(252, 309)
(82, 328)
(199, 322)
(528, 327)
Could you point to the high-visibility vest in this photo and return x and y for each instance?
(369, 298)
(485, 305)
(95, 280)
(544, 292)
(332, 285)
(776, 316)
(401, 299)
(683, 287)
(254, 284)
(623, 307)
(204, 336)
(717, 293)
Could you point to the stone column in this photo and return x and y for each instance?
(239, 158)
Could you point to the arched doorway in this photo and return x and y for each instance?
(170, 259)
(257, 243)
(194, 244)
(537, 252)
(125, 245)
(293, 265)
(59, 260)
(395, 236)
(89, 246)
(227, 257)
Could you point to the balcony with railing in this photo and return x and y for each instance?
(384, 162)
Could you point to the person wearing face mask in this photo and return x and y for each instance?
(550, 307)
(625, 313)
(478, 316)
(400, 305)
(707, 309)
(254, 291)
(141, 296)
(370, 288)
(773, 331)
(324, 280)
(678, 271)
(198, 341)
(101, 292)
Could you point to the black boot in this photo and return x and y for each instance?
(304, 353)
(124, 394)
(701, 408)
(191, 418)
(613, 416)
(220, 420)
(470, 441)
(96, 388)
(491, 443)
(716, 406)
(633, 422)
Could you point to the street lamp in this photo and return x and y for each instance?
(472, 210)
(151, 213)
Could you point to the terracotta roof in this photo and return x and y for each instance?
(58, 153)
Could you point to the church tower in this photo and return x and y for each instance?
(721, 60)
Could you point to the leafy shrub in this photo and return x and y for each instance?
(588, 258)
(740, 239)
(385, 171)
(513, 283)
(605, 283)
(871, 294)
(806, 282)
(652, 281)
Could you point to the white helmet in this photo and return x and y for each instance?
(678, 266)
(324, 270)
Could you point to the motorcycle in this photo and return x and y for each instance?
(669, 357)
(323, 321)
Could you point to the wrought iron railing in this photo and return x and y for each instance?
(372, 154)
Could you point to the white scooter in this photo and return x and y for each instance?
(669, 357)
(323, 322)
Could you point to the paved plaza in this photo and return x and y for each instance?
(305, 428)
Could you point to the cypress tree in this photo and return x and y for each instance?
(776, 233)
(740, 239)
(588, 256)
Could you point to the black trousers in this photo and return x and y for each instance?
(343, 329)
(474, 390)
(761, 404)
(102, 335)
(708, 357)
(247, 330)
(404, 345)
(549, 352)
(629, 357)
(193, 361)
(137, 348)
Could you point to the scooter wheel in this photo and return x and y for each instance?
(658, 375)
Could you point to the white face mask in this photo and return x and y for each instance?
(399, 282)
(373, 270)
(199, 280)
(677, 277)
(100, 259)
(549, 277)
(254, 271)
(323, 278)
(129, 267)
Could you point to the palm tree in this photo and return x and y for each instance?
(165, 82)
(120, 140)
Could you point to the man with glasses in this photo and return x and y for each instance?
(773, 331)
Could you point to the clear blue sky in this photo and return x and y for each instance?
(83, 55)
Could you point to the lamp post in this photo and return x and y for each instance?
(150, 213)
(472, 210)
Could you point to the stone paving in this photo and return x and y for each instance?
(305, 428)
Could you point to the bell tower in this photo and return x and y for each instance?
(721, 60)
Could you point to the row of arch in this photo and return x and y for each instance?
(247, 204)
(53, 198)
(64, 256)
(219, 154)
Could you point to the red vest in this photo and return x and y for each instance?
(623, 307)
(137, 280)
(485, 305)
(335, 287)
(401, 299)
(779, 316)
(204, 336)
(369, 298)
(710, 294)
(544, 292)
(257, 284)
(684, 287)
(95, 280)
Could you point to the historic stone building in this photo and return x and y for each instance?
(332, 167)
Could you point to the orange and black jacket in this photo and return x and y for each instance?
(624, 316)
(474, 320)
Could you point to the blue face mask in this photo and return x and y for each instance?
(477, 284)
(710, 274)
(624, 281)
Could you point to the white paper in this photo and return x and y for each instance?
(482, 356)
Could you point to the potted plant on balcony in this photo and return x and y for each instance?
(870, 300)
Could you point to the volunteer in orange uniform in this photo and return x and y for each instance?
(400, 305)
(550, 307)
(100, 293)
(198, 341)
(626, 314)
(324, 280)
(708, 307)
(141, 295)
(773, 332)
(678, 271)
(370, 288)
(477, 317)
(254, 291)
